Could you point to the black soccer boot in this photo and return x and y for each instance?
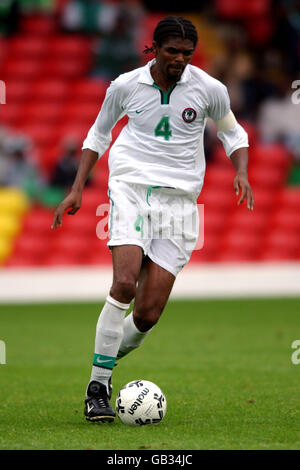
(97, 406)
(110, 388)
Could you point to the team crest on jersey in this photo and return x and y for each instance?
(189, 115)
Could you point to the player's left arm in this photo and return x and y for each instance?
(239, 159)
(235, 142)
(234, 139)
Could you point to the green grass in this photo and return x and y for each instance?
(224, 365)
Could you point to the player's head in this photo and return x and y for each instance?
(174, 41)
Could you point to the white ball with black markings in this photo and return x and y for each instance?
(141, 402)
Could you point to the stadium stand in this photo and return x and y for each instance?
(50, 95)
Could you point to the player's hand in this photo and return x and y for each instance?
(72, 202)
(241, 184)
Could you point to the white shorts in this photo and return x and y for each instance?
(163, 221)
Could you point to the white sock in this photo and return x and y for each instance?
(109, 333)
(132, 337)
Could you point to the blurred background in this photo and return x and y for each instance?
(57, 58)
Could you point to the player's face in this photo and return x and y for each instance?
(173, 56)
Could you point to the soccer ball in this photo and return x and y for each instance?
(141, 402)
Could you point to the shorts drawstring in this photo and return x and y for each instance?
(149, 189)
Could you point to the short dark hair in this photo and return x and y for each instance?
(173, 26)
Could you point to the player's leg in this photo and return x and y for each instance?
(127, 262)
(154, 287)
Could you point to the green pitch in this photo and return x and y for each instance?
(225, 367)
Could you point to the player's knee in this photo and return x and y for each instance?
(123, 290)
(145, 318)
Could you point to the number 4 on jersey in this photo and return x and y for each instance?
(163, 128)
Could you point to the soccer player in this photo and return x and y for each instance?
(157, 163)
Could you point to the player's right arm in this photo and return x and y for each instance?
(234, 139)
(73, 200)
(94, 146)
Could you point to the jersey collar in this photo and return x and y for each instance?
(146, 77)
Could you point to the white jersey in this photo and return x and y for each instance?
(162, 143)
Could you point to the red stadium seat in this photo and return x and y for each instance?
(49, 156)
(150, 21)
(218, 176)
(60, 4)
(259, 28)
(50, 90)
(69, 242)
(248, 221)
(17, 90)
(61, 259)
(289, 198)
(27, 46)
(23, 69)
(266, 177)
(43, 112)
(101, 174)
(31, 244)
(98, 253)
(210, 248)
(39, 25)
(286, 219)
(236, 9)
(275, 254)
(42, 134)
(81, 112)
(257, 7)
(264, 198)
(10, 113)
(77, 130)
(214, 220)
(200, 256)
(239, 239)
(20, 260)
(70, 46)
(38, 221)
(3, 48)
(274, 155)
(283, 239)
(217, 198)
(89, 90)
(219, 157)
(65, 68)
(93, 197)
(99, 258)
(80, 224)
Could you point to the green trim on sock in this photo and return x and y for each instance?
(107, 362)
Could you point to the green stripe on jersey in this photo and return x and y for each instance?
(164, 95)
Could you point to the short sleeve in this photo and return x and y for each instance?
(219, 102)
(113, 108)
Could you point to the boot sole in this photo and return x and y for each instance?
(102, 419)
